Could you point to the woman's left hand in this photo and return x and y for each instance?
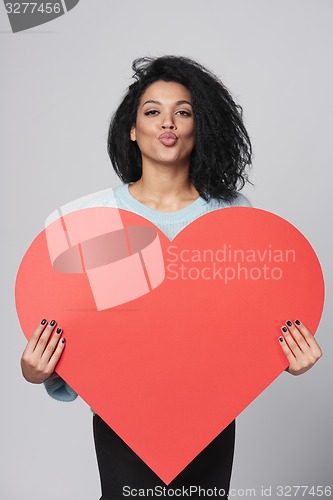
(300, 347)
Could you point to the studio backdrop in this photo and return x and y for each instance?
(64, 70)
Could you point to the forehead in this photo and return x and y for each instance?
(166, 91)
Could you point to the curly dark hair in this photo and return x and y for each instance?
(222, 150)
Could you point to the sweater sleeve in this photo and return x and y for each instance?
(59, 390)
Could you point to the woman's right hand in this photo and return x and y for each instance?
(40, 357)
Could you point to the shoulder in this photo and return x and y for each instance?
(238, 201)
(106, 198)
(117, 197)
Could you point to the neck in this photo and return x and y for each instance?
(164, 189)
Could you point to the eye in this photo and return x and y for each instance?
(151, 112)
(183, 112)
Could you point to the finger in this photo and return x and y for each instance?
(304, 331)
(52, 344)
(56, 354)
(298, 337)
(43, 339)
(293, 346)
(310, 340)
(285, 347)
(32, 342)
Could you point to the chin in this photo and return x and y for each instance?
(171, 158)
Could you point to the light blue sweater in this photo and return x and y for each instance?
(170, 223)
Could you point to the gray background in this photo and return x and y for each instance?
(60, 83)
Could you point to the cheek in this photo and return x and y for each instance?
(190, 131)
(191, 135)
(143, 131)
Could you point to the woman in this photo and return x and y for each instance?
(179, 144)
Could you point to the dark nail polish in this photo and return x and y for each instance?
(63, 340)
(43, 322)
(59, 330)
(52, 323)
(289, 323)
(297, 322)
(281, 339)
(284, 329)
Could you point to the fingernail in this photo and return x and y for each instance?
(281, 339)
(52, 323)
(289, 323)
(297, 322)
(284, 329)
(43, 322)
(63, 341)
(59, 330)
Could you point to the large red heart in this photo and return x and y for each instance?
(171, 369)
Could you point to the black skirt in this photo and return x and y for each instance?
(123, 473)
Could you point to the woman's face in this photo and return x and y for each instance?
(164, 129)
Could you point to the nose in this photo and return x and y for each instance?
(168, 122)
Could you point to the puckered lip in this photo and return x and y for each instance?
(168, 135)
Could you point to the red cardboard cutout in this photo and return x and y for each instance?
(170, 369)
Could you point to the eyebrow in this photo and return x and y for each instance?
(178, 103)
